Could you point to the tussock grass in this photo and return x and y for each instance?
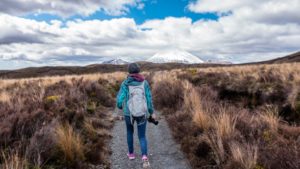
(13, 161)
(270, 117)
(224, 124)
(238, 115)
(246, 155)
(70, 143)
(202, 120)
(215, 142)
(200, 116)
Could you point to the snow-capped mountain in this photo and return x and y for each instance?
(177, 56)
(116, 62)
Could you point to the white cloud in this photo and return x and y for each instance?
(253, 31)
(140, 6)
(266, 11)
(252, 27)
(66, 8)
(92, 40)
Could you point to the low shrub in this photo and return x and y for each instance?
(168, 95)
(230, 120)
(46, 124)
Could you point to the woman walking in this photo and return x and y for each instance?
(135, 99)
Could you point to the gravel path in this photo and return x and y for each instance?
(163, 152)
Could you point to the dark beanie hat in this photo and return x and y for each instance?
(133, 68)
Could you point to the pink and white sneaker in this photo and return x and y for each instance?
(146, 163)
(144, 157)
(131, 156)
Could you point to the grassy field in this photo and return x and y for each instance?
(57, 122)
(234, 117)
(223, 117)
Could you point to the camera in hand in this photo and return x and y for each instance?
(152, 120)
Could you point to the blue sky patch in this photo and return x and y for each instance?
(153, 9)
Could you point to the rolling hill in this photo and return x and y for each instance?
(95, 68)
(295, 57)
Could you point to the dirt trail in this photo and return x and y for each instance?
(163, 152)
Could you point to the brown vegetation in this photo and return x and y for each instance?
(60, 122)
(242, 117)
(237, 117)
(13, 161)
(70, 143)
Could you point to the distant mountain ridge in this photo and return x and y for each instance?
(116, 62)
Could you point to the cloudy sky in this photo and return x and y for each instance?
(81, 32)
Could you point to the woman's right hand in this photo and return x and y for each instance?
(154, 116)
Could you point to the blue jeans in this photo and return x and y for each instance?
(141, 125)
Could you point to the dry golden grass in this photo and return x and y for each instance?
(70, 143)
(193, 103)
(189, 98)
(202, 120)
(230, 130)
(215, 142)
(224, 123)
(246, 155)
(165, 76)
(13, 161)
(284, 71)
(4, 96)
(270, 117)
(89, 128)
(116, 76)
(50, 80)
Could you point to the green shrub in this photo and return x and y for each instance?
(91, 107)
(53, 98)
